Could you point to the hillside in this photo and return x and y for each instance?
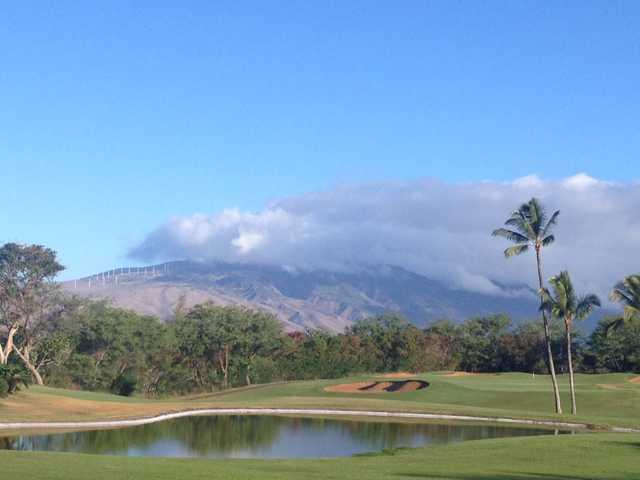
(317, 299)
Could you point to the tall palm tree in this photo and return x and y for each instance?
(566, 305)
(530, 228)
(626, 292)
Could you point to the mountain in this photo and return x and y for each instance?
(315, 299)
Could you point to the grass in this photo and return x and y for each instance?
(603, 400)
(575, 457)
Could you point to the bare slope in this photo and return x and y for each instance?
(317, 299)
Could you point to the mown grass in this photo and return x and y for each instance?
(604, 400)
(575, 457)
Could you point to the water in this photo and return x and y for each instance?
(259, 437)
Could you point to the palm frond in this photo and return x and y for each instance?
(516, 250)
(509, 235)
(631, 312)
(627, 292)
(548, 240)
(536, 214)
(633, 283)
(619, 294)
(519, 221)
(613, 325)
(547, 301)
(585, 306)
(551, 223)
(561, 291)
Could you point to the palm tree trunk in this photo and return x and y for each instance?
(570, 362)
(547, 338)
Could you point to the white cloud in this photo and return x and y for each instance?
(580, 181)
(247, 241)
(438, 229)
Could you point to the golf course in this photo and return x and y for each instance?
(593, 450)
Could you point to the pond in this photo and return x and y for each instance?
(260, 437)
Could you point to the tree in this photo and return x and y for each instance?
(443, 344)
(523, 350)
(566, 305)
(531, 228)
(227, 340)
(259, 336)
(480, 342)
(26, 288)
(112, 349)
(384, 338)
(219, 334)
(616, 350)
(626, 292)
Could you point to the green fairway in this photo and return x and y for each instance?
(603, 400)
(610, 399)
(587, 456)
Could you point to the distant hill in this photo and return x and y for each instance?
(316, 299)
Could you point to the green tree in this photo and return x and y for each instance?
(627, 292)
(112, 346)
(616, 350)
(11, 377)
(480, 342)
(566, 305)
(259, 336)
(523, 350)
(531, 228)
(227, 340)
(385, 339)
(444, 345)
(26, 293)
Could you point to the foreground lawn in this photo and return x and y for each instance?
(603, 400)
(586, 456)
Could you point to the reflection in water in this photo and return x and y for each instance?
(259, 437)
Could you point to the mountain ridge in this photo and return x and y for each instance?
(301, 299)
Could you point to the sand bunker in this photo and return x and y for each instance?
(635, 380)
(398, 375)
(378, 387)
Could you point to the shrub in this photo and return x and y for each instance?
(124, 384)
(11, 378)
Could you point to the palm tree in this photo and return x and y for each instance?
(532, 229)
(626, 292)
(566, 305)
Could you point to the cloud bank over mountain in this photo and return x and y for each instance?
(437, 229)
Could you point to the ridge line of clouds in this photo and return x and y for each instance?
(438, 229)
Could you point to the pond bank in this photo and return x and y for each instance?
(305, 411)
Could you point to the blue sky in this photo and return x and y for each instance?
(117, 116)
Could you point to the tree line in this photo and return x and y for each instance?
(52, 338)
